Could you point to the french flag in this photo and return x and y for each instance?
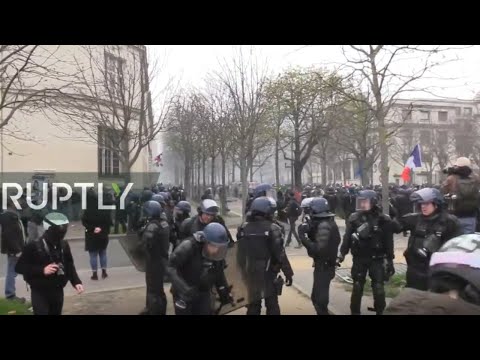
(414, 161)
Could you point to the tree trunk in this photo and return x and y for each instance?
(233, 170)
(243, 179)
(383, 163)
(323, 170)
(277, 165)
(223, 194)
(213, 174)
(187, 176)
(204, 175)
(198, 193)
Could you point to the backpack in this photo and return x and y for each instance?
(467, 193)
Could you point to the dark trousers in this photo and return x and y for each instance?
(120, 221)
(156, 300)
(271, 303)
(201, 305)
(267, 287)
(416, 279)
(48, 302)
(374, 268)
(322, 276)
(293, 230)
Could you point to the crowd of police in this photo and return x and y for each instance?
(194, 252)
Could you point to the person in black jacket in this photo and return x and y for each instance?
(13, 240)
(196, 266)
(261, 256)
(293, 212)
(321, 238)
(97, 225)
(207, 213)
(430, 227)
(369, 236)
(47, 265)
(155, 241)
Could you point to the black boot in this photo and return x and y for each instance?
(94, 276)
(104, 273)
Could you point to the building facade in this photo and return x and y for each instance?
(48, 140)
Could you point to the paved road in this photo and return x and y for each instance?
(115, 255)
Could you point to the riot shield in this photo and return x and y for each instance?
(245, 286)
(135, 250)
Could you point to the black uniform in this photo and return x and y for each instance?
(427, 235)
(175, 235)
(321, 238)
(47, 290)
(155, 239)
(193, 277)
(332, 200)
(261, 256)
(369, 236)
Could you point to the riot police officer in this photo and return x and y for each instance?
(196, 266)
(181, 212)
(430, 227)
(261, 256)
(321, 237)
(155, 241)
(207, 213)
(369, 236)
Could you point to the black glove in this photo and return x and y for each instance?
(389, 269)
(340, 259)
(288, 281)
(224, 295)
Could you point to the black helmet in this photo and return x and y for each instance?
(262, 190)
(363, 195)
(166, 196)
(319, 208)
(213, 234)
(263, 206)
(459, 258)
(184, 206)
(146, 195)
(426, 195)
(152, 209)
(209, 207)
(159, 198)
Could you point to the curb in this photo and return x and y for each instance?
(118, 288)
(110, 237)
(331, 309)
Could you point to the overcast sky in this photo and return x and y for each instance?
(191, 63)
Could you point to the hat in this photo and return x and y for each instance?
(463, 162)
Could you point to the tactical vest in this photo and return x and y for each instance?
(255, 239)
(426, 238)
(369, 237)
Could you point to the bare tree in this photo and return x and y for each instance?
(29, 74)
(110, 101)
(376, 68)
(245, 80)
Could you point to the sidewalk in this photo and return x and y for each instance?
(132, 301)
(120, 278)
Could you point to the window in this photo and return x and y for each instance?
(425, 137)
(442, 116)
(424, 115)
(458, 111)
(467, 111)
(114, 74)
(406, 115)
(442, 137)
(108, 152)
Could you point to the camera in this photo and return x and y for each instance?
(61, 269)
(449, 171)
